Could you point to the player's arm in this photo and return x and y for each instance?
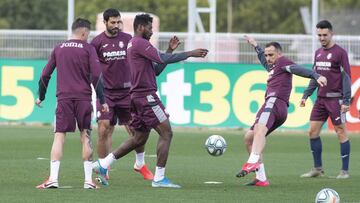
(310, 89)
(306, 73)
(301, 71)
(346, 80)
(173, 44)
(260, 52)
(45, 78)
(96, 77)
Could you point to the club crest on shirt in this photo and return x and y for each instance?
(329, 56)
(121, 44)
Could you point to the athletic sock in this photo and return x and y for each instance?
(54, 170)
(316, 149)
(159, 173)
(107, 161)
(260, 174)
(253, 158)
(88, 171)
(345, 154)
(140, 161)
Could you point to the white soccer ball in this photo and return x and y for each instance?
(327, 195)
(215, 145)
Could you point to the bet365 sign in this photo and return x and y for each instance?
(195, 94)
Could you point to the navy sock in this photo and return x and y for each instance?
(345, 154)
(316, 149)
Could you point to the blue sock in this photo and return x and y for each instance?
(345, 154)
(316, 149)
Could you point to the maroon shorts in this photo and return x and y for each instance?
(119, 110)
(273, 114)
(147, 112)
(70, 112)
(328, 107)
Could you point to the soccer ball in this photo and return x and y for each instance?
(327, 195)
(215, 145)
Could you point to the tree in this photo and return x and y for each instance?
(33, 14)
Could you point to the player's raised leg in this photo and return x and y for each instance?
(100, 166)
(139, 165)
(260, 175)
(259, 140)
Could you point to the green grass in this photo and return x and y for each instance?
(286, 157)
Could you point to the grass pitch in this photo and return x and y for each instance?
(24, 162)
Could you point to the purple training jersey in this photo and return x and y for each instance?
(329, 63)
(77, 66)
(112, 55)
(279, 83)
(141, 54)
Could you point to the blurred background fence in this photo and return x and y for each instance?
(229, 47)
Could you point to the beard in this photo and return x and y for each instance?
(113, 31)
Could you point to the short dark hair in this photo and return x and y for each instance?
(80, 23)
(324, 24)
(274, 44)
(142, 19)
(111, 12)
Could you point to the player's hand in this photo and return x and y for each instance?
(198, 53)
(250, 40)
(105, 108)
(173, 44)
(302, 102)
(322, 81)
(344, 108)
(38, 102)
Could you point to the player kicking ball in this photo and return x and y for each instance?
(147, 111)
(273, 112)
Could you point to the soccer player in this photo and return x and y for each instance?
(273, 112)
(332, 101)
(147, 111)
(77, 67)
(111, 47)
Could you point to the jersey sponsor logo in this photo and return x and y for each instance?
(72, 44)
(323, 65)
(114, 55)
(329, 56)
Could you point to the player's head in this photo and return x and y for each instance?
(324, 31)
(273, 51)
(112, 21)
(143, 26)
(81, 28)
